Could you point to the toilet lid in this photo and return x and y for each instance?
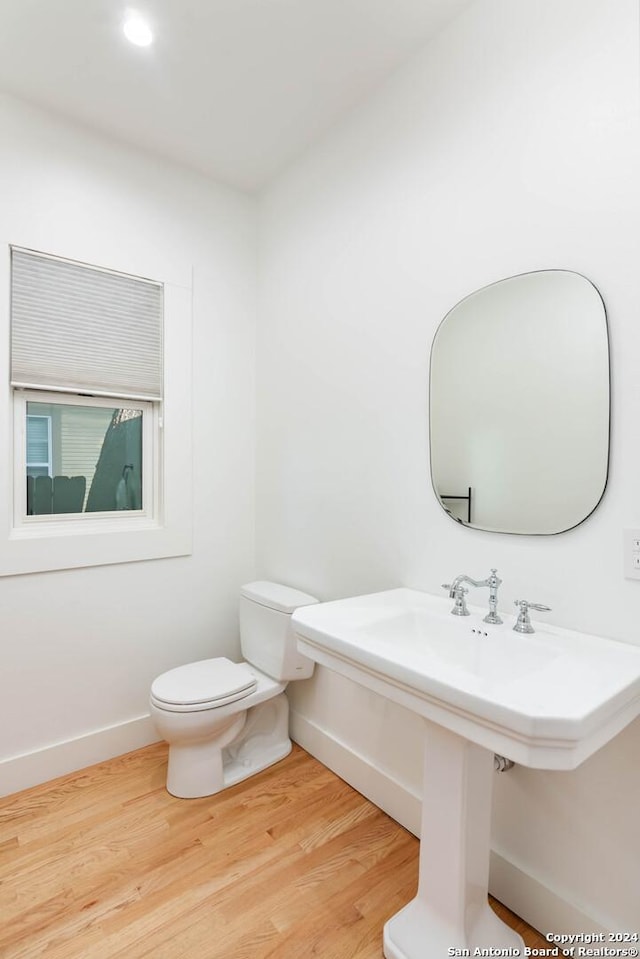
(206, 681)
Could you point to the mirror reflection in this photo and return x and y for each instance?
(519, 404)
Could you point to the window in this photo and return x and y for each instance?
(100, 374)
(80, 330)
(84, 456)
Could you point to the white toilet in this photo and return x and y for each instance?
(225, 721)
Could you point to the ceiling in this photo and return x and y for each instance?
(235, 89)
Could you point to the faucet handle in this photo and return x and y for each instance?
(462, 590)
(460, 604)
(523, 623)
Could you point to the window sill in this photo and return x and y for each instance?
(47, 526)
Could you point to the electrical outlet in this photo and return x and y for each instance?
(632, 553)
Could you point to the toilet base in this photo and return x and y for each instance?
(254, 740)
(237, 770)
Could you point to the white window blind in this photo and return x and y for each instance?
(77, 328)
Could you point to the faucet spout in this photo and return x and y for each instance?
(463, 578)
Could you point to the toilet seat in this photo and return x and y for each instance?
(206, 684)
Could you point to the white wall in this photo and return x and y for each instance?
(80, 647)
(510, 144)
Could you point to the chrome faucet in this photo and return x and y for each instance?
(457, 593)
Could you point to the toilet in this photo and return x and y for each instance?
(225, 721)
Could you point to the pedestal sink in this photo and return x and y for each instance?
(547, 700)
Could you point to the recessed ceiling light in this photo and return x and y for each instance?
(137, 30)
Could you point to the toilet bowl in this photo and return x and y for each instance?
(225, 721)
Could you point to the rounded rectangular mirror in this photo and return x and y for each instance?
(519, 404)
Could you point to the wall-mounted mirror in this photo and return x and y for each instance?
(519, 404)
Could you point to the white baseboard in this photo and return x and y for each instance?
(529, 898)
(58, 759)
(535, 902)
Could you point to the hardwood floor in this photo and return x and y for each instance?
(293, 863)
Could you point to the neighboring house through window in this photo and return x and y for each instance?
(38, 445)
(82, 458)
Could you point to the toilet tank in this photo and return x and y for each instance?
(266, 637)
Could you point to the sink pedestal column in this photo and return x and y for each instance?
(451, 910)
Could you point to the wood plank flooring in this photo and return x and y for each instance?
(290, 864)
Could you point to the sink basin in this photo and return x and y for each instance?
(547, 700)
